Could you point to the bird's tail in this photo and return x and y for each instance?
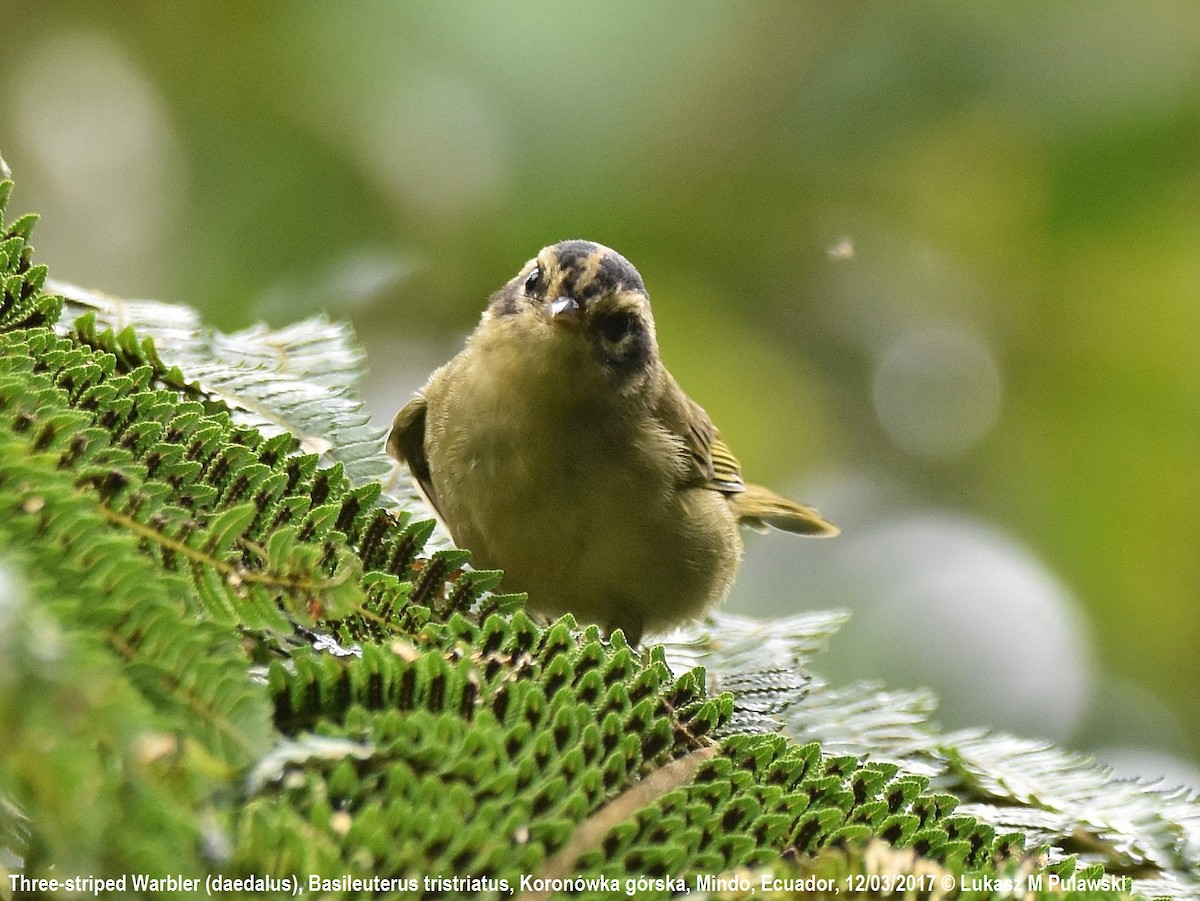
(759, 507)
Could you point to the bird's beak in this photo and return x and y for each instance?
(565, 309)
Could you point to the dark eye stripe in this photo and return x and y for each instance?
(616, 326)
(624, 343)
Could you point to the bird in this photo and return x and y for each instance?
(557, 447)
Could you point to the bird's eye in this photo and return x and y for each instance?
(534, 281)
(616, 326)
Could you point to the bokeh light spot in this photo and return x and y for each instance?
(106, 156)
(937, 391)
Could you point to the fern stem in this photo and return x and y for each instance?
(233, 573)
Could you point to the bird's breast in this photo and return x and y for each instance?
(579, 499)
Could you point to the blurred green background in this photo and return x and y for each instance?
(934, 267)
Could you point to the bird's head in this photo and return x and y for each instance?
(585, 293)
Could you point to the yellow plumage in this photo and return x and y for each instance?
(557, 447)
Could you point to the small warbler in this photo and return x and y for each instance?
(557, 447)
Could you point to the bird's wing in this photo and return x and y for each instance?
(407, 444)
(715, 467)
(711, 461)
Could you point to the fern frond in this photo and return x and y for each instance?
(97, 579)
(1066, 802)
(298, 380)
(1132, 825)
